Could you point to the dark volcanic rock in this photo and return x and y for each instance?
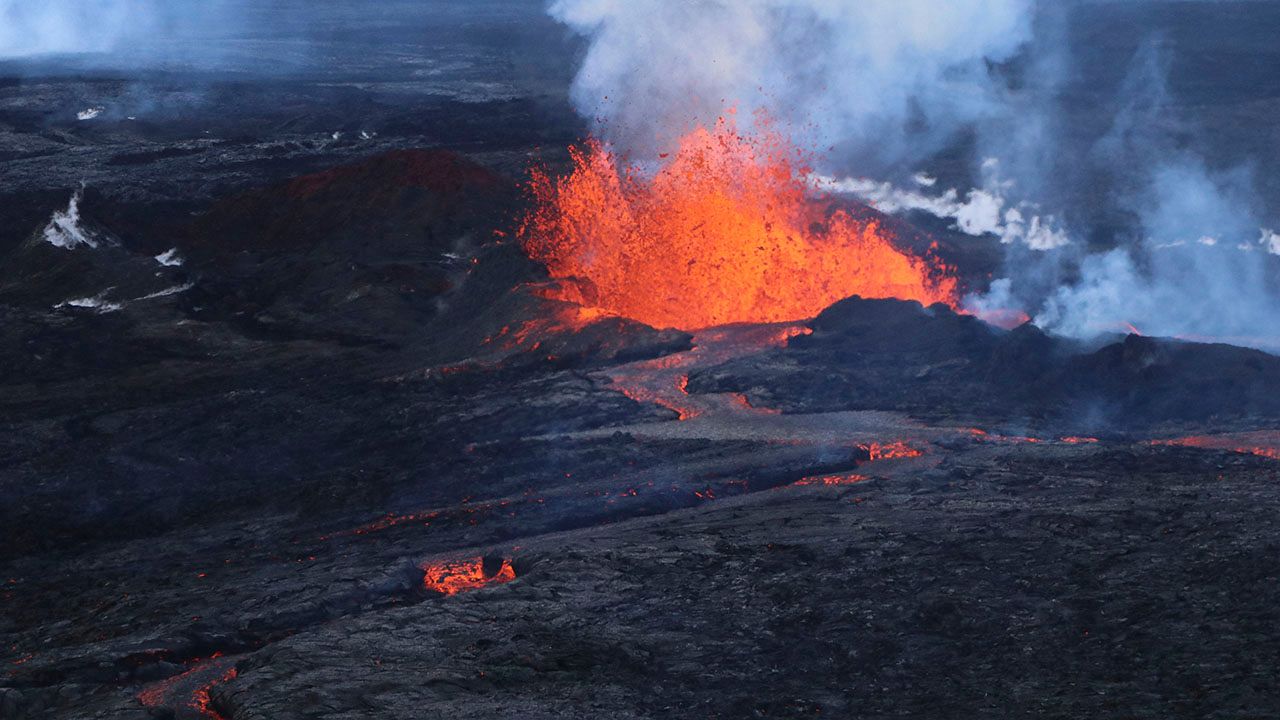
(222, 501)
(896, 355)
(75, 263)
(363, 250)
(1152, 379)
(402, 202)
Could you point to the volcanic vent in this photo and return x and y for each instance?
(725, 229)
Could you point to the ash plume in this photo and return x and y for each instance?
(1112, 212)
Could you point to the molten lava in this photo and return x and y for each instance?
(1262, 443)
(723, 232)
(452, 578)
(190, 691)
(664, 381)
(1078, 440)
(891, 450)
(831, 480)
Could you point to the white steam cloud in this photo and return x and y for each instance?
(981, 211)
(60, 26)
(142, 30)
(892, 78)
(1270, 241)
(880, 86)
(64, 229)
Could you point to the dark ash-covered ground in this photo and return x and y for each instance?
(218, 499)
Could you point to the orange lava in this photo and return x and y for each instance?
(465, 511)
(725, 231)
(831, 480)
(154, 695)
(1263, 444)
(532, 333)
(634, 386)
(201, 700)
(664, 381)
(743, 401)
(391, 520)
(983, 435)
(891, 451)
(452, 578)
(204, 674)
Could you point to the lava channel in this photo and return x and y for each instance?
(664, 381)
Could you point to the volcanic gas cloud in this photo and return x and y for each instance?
(724, 230)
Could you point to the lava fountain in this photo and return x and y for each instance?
(726, 230)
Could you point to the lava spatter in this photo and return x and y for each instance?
(725, 231)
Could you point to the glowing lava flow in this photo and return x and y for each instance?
(724, 232)
(983, 436)
(1262, 443)
(831, 480)
(188, 694)
(664, 381)
(891, 451)
(452, 578)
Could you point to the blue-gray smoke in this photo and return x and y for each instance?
(133, 31)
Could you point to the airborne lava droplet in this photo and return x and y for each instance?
(725, 231)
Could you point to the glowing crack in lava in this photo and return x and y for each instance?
(451, 578)
(725, 231)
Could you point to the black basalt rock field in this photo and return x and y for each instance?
(289, 428)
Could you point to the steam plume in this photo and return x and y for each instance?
(879, 87)
(891, 80)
